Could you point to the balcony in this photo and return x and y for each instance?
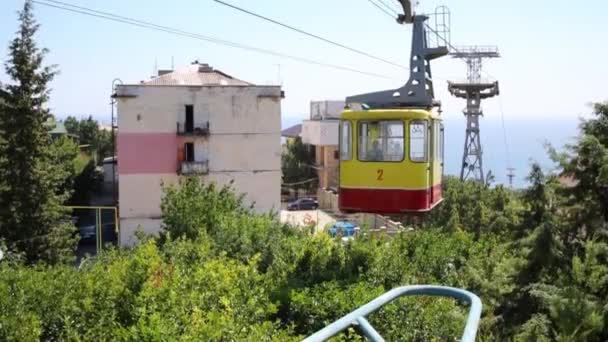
(198, 130)
(194, 168)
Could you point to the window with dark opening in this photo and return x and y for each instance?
(189, 125)
(189, 148)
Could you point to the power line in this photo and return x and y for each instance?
(382, 9)
(309, 34)
(143, 24)
(310, 180)
(504, 132)
(390, 8)
(510, 170)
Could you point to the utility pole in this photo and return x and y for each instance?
(114, 122)
(474, 89)
(511, 176)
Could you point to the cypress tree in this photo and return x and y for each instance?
(32, 219)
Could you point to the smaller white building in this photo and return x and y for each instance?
(321, 130)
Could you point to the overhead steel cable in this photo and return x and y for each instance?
(259, 16)
(390, 8)
(143, 24)
(504, 132)
(502, 113)
(382, 9)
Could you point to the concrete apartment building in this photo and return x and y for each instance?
(321, 131)
(195, 121)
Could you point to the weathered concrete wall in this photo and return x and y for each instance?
(128, 227)
(157, 109)
(321, 110)
(258, 187)
(331, 165)
(327, 165)
(316, 132)
(140, 194)
(147, 152)
(245, 152)
(243, 145)
(327, 200)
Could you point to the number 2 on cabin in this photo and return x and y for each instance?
(380, 174)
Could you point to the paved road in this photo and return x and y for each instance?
(304, 218)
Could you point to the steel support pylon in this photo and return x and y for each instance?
(474, 89)
(472, 157)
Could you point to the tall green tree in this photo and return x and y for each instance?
(32, 219)
(587, 163)
(297, 165)
(90, 133)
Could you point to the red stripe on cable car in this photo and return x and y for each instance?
(388, 201)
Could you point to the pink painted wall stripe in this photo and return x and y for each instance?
(148, 152)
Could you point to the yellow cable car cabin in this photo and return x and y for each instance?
(391, 160)
(391, 141)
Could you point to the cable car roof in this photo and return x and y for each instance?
(390, 114)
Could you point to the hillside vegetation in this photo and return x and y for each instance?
(537, 258)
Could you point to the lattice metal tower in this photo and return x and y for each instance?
(474, 89)
(511, 176)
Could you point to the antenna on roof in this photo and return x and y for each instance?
(172, 63)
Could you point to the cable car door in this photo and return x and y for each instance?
(431, 166)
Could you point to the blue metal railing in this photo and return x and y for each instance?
(357, 317)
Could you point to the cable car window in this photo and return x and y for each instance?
(345, 141)
(381, 141)
(418, 141)
(437, 141)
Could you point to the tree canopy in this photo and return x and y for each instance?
(89, 132)
(538, 258)
(32, 170)
(297, 165)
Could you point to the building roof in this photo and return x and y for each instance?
(292, 132)
(567, 180)
(196, 74)
(59, 128)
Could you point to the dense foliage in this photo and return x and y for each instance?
(33, 171)
(538, 258)
(89, 132)
(297, 165)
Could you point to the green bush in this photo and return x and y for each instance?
(221, 272)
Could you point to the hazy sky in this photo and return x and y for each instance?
(553, 51)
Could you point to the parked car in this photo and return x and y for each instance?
(343, 228)
(303, 204)
(87, 232)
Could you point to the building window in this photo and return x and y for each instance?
(345, 140)
(189, 148)
(418, 141)
(189, 124)
(381, 141)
